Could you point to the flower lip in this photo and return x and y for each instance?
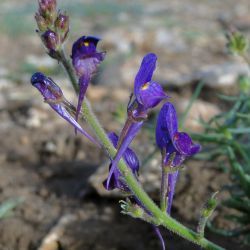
(151, 94)
(85, 57)
(184, 144)
(85, 46)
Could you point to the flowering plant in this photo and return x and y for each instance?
(175, 146)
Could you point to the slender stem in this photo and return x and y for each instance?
(161, 217)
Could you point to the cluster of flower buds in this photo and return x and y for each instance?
(53, 26)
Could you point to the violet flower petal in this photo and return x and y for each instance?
(151, 94)
(167, 125)
(172, 179)
(83, 85)
(144, 74)
(85, 57)
(184, 144)
(85, 45)
(65, 115)
(113, 137)
(115, 181)
(129, 155)
(158, 233)
(132, 132)
(115, 177)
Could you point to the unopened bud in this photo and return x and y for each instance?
(50, 40)
(47, 9)
(41, 22)
(46, 6)
(48, 88)
(62, 26)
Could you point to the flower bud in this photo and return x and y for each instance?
(47, 9)
(46, 6)
(41, 22)
(50, 40)
(62, 26)
(47, 87)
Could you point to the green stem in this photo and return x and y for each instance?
(161, 217)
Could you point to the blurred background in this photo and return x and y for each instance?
(53, 178)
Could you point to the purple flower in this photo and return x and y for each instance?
(51, 42)
(170, 140)
(85, 59)
(131, 160)
(147, 94)
(53, 95)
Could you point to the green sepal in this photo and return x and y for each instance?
(206, 212)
